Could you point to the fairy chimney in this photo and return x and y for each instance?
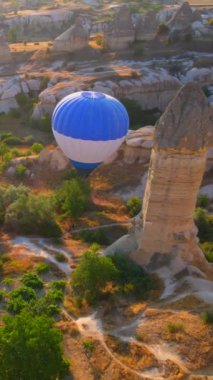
(147, 27)
(183, 135)
(73, 39)
(121, 32)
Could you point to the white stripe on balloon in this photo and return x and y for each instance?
(87, 151)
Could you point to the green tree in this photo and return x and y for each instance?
(91, 275)
(3, 149)
(32, 280)
(37, 148)
(134, 206)
(32, 214)
(204, 223)
(73, 197)
(30, 348)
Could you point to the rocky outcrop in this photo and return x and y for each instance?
(121, 32)
(11, 87)
(154, 89)
(5, 53)
(182, 19)
(74, 38)
(176, 169)
(39, 25)
(53, 160)
(147, 27)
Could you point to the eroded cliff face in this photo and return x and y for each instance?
(177, 164)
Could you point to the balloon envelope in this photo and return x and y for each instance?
(89, 127)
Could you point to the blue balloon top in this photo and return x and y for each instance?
(90, 115)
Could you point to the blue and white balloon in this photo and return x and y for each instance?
(89, 127)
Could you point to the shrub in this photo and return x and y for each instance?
(89, 346)
(13, 140)
(207, 317)
(202, 201)
(55, 295)
(60, 257)
(175, 327)
(99, 40)
(73, 197)
(134, 110)
(94, 236)
(42, 268)
(210, 21)
(37, 148)
(2, 295)
(20, 171)
(32, 280)
(59, 285)
(19, 299)
(134, 206)
(162, 29)
(131, 277)
(32, 214)
(44, 123)
(91, 276)
(207, 249)
(204, 223)
(3, 149)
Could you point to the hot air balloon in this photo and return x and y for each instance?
(89, 127)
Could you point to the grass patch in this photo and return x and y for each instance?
(175, 327)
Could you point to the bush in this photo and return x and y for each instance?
(210, 21)
(60, 257)
(19, 299)
(207, 249)
(32, 280)
(204, 223)
(42, 268)
(32, 214)
(207, 317)
(134, 205)
(175, 327)
(162, 29)
(44, 123)
(94, 236)
(13, 140)
(73, 197)
(3, 149)
(131, 277)
(134, 110)
(2, 295)
(20, 171)
(203, 201)
(37, 148)
(89, 346)
(91, 276)
(59, 285)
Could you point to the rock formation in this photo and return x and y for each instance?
(74, 38)
(178, 161)
(39, 25)
(121, 32)
(182, 19)
(5, 54)
(147, 27)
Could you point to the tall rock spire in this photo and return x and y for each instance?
(183, 135)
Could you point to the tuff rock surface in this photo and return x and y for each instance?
(74, 38)
(121, 32)
(176, 169)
